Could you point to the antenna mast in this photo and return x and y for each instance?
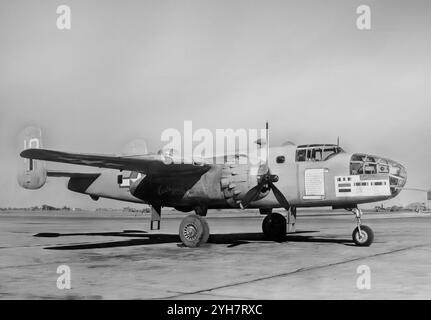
(267, 143)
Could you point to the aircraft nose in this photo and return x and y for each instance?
(397, 176)
(368, 164)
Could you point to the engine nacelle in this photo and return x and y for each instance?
(31, 173)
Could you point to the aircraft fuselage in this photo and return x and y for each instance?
(309, 176)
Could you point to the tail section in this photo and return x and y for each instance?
(31, 173)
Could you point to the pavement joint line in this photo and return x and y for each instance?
(226, 295)
(207, 294)
(203, 291)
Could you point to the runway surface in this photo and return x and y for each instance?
(116, 257)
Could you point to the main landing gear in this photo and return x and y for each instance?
(274, 226)
(194, 231)
(362, 235)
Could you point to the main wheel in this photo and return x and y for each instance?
(364, 238)
(274, 226)
(194, 231)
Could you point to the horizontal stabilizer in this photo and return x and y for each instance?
(72, 174)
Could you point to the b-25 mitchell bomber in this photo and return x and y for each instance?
(290, 177)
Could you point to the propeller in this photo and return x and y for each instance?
(265, 180)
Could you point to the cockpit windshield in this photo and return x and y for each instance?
(317, 152)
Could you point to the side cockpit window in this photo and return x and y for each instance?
(301, 155)
(316, 152)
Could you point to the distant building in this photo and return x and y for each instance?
(416, 206)
(46, 207)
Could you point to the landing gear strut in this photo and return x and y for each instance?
(194, 231)
(156, 211)
(362, 235)
(201, 210)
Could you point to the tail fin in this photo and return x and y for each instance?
(31, 173)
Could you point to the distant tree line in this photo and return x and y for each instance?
(44, 207)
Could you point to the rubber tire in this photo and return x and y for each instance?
(369, 239)
(274, 226)
(202, 230)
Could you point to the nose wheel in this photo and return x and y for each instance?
(362, 235)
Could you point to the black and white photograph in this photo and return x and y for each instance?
(214, 150)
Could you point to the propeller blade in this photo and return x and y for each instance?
(251, 195)
(280, 197)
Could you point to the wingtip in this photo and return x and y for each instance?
(23, 154)
(28, 153)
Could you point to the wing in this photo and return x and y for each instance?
(150, 164)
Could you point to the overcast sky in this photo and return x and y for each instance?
(130, 69)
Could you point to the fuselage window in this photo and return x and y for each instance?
(280, 159)
(300, 155)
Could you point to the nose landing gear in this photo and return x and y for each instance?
(362, 235)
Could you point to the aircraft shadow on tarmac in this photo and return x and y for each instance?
(140, 238)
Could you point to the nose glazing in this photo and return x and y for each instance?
(363, 164)
(397, 176)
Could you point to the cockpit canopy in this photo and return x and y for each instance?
(317, 152)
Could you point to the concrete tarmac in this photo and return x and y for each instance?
(113, 256)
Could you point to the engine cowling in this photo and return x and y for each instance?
(31, 173)
(237, 179)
